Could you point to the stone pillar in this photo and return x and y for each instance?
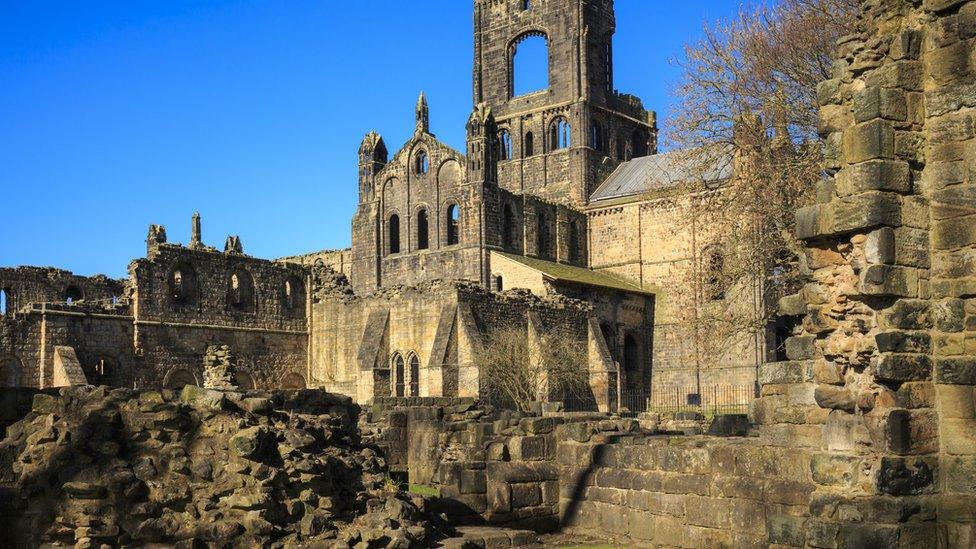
(881, 381)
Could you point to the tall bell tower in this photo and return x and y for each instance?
(559, 142)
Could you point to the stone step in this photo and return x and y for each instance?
(489, 537)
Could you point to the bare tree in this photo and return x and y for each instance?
(747, 104)
(515, 369)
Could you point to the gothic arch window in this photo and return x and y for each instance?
(73, 294)
(508, 226)
(393, 234)
(528, 147)
(713, 268)
(423, 229)
(9, 372)
(294, 295)
(293, 381)
(504, 145)
(414, 375)
(559, 134)
(596, 137)
(529, 64)
(453, 224)
(240, 290)
(421, 163)
(497, 282)
(399, 383)
(639, 145)
(182, 282)
(542, 235)
(178, 378)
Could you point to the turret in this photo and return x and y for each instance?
(482, 145)
(423, 114)
(372, 157)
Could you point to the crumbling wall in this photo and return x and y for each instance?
(26, 285)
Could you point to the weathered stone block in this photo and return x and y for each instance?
(473, 482)
(890, 280)
(956, 401)
(869, 141)
(959, 436)
(795, 371)
(902, 367)
(786, 530)
(956, 370)
(863, 211)
(907, 314)
(708, 512)
(903, 342)
(905, 476)
(526, 495)
(834, 470)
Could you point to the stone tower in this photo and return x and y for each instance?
(559, 142)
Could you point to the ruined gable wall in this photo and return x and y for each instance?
(268, 338)
(26, 285)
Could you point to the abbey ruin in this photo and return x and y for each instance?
(560, 217)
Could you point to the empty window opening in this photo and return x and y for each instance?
(103, 370)
(529, 145)
(498, 283)
(714, 273)
(423, 235)
(177, 379)
(294, 294)
(393, 228)
(608, 65)
(414, 376)
(182, 284)
(398, 372)
(542, 235)
(240, 291)
(422, 163)
(453, 224)
(596, 137)
(530, 64)
(508, 227)
(640, 143)
(72, 295)
(4, 304)
(504, 145)
(559, 134)
(526, 5)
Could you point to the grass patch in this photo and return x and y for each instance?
(423, 490)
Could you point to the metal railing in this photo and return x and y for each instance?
(710, 400)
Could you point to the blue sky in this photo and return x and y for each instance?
(118, 114)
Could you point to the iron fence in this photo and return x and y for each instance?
(707, 400)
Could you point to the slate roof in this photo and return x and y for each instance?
(659, 172)
(578, 275)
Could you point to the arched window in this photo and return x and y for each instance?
(508, 227)
(240, 290)
(530, 64)
(423, 232)
(294, 294)
(596, 137)
(178, 378)
(183, 284)
(504, 145)
(639, 146)
(453, 224)
(398, 375)
(542, 235)
(72, 294)
(528, 147)
(293, 381)
(393, 231)
(421, 163)
(498, 283)
(559, 134)
(414, 375)
(4, 303)
(714, 273)
(526, 5)
(575, 242)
